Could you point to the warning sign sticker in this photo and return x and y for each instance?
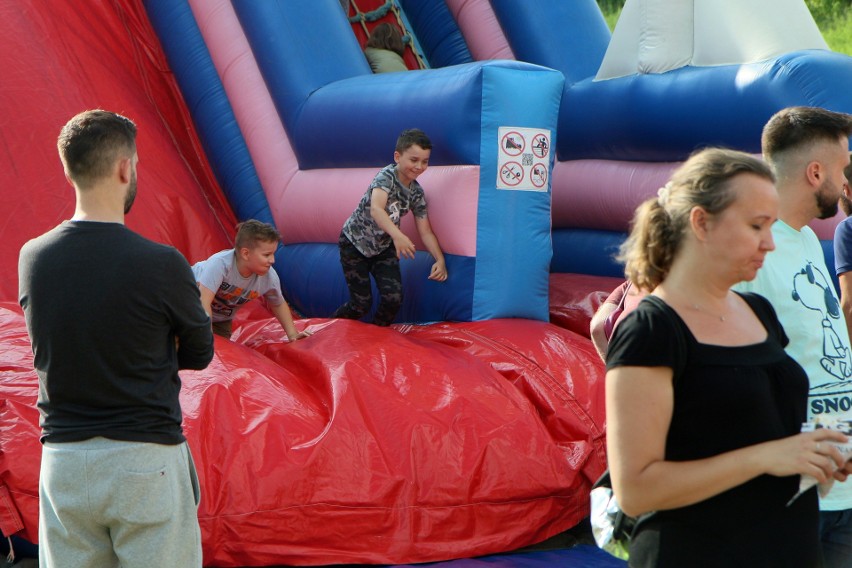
(523, 158)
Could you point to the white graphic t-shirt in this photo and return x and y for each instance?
(794, 278)
(220, 275)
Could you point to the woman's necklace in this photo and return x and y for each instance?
(698, 307)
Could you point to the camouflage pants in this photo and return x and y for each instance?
(357, 269)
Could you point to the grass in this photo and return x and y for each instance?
(836, 28)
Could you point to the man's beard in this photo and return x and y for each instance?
(131, 193)
(826, 201)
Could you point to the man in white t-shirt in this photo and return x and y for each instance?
(808, 148)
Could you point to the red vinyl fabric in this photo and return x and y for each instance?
(364, 444)
(574, 299)
(61, 58)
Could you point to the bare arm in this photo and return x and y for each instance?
(439, 269)
(378, 202)
(191, 326)
(845, 280)
(285, 318)
(596, 328)
(207, 296)
(639, 403)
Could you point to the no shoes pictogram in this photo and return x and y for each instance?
(523, 158)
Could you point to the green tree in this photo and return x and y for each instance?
(827, 12)
(609, 6)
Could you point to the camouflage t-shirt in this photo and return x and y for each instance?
(363, 231)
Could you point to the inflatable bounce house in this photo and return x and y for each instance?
(474, 425)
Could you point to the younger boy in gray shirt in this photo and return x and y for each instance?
(232, 277)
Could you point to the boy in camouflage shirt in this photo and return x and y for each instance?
(371, 241)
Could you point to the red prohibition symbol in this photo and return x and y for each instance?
(513, 143)
(538, 176)
(540, 145)
(512, 173)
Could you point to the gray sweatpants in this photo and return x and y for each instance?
(109, 504)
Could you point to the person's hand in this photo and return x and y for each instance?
(844, 472)
(809, 453)
(298, 336)
(439, 271)
(404, 247)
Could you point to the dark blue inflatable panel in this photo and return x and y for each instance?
(591, 251)
(664, 117)
(587, 251)
(437, 32)
(569, 35)
(319, 267)
(372, 110)
(295, 63)
(208, 104)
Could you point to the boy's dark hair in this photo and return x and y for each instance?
(412, 137)
(387, 36)
(91, 142)
(795, 127)
(252, 231)
(845, 204)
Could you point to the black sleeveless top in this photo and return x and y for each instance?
(724, 398)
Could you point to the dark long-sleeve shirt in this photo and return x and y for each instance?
(103, 307)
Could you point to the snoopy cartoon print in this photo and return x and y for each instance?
(812, 289)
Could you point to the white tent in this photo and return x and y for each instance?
(655, 36)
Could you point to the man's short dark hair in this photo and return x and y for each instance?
(412, 137)
(794, 127)
(91, 142)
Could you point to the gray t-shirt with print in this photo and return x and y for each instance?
(363, 231)
(220, 275)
